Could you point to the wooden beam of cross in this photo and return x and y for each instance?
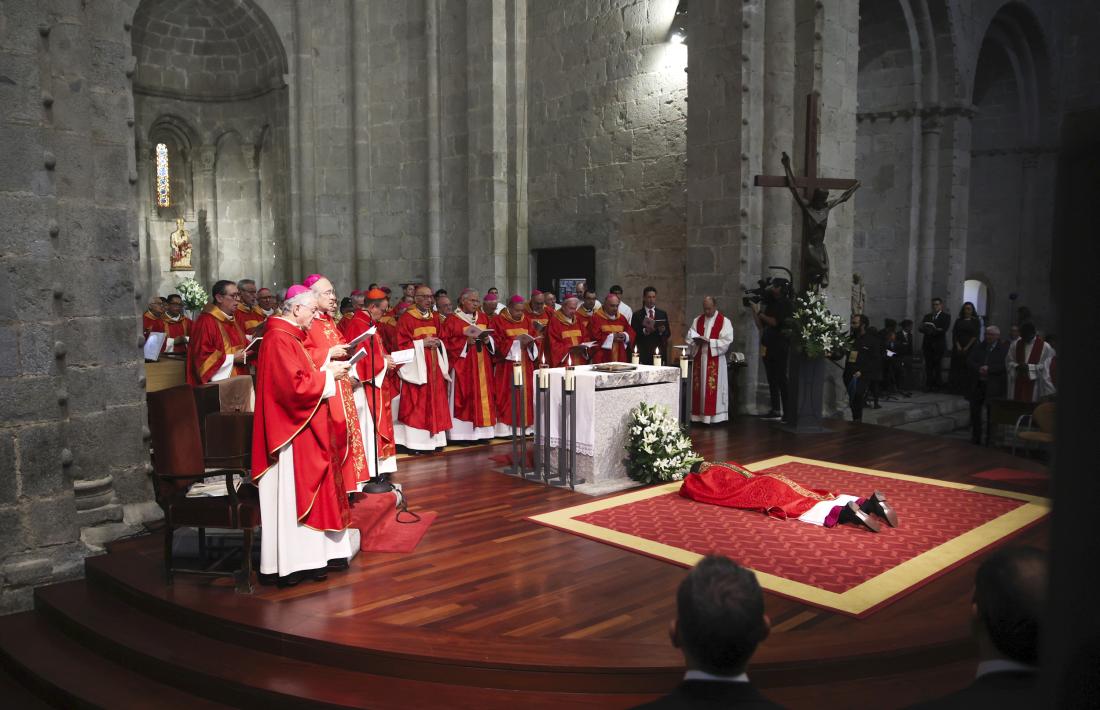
(809, 181)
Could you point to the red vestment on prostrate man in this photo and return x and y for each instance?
(562, 335)
(373, 399)
(599, 327)
(215, 339)
(295, 457)
(507, 332)
(320, 338)
(474, 410)
(732, 486)
(423, 416)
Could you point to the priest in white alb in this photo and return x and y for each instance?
(710, 338)
(303, 502)
(1029, 365)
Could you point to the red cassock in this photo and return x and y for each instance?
(378, 399)
(320, 338)
(473, 371)
(291, 409)
(423, 406)
(248, 318)
(733, 486)
(151, 323)
(598, 329)
(213, 336)
(563, 335)
(505, 331)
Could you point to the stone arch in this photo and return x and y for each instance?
(1012, 170)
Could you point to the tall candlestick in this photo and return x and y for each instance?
(657, 358)
(517, 374)
(544, 376)
(634, 358)
(570, 379)
(683, 368)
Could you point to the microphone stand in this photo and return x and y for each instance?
(377, 483)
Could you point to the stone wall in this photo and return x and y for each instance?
(606, 162)
(73, 464)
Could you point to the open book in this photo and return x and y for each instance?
(359, 355)
(254, 345)
(360, 338)
(472, 331)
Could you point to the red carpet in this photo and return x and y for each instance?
(846, 568)
(375, 517)
(1014, 476)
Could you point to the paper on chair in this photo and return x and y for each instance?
(153, 345)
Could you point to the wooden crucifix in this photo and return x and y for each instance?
(812, 195)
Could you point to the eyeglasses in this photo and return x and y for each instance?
(233, 295)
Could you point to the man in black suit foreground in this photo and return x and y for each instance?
(1009, 595)
(650, 325)
(719, 622)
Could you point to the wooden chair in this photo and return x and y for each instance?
(1004, 413)
(178, 462)
(1042, 418)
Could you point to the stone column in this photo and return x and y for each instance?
(254, 256)
(206, 200)
(435, 148)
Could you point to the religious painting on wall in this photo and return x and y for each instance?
(181, 248)
(567, 287)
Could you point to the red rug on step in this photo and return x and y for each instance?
(376, 518)
(1013, 475)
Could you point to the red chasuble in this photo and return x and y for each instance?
(378, 399)
(151, 323)
(346, 435)
(505, 332)
(177, 328)
(599, 327)
(1025, 386)
(248, 318)
(291, 409)
(423, 406)
(730, 485)
(473, 373)
(213, 336)
(704, 400)
(563, 335)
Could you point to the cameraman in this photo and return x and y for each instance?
(774, 344)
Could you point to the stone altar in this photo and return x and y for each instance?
(604, 403)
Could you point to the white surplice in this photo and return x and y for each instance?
(716, 348)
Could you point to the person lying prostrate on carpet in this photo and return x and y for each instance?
(719, 623)
(731, 485)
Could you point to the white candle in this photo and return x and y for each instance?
(683, 368)
(517, 374)
(570, 379)
(657, 358)
(544, 377)
(634, 357)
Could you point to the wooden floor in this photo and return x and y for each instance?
(494, 611)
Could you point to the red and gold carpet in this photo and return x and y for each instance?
(846, 569)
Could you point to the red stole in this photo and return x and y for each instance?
(708, 398)
(505, 332)
(732, 486)
(346, 435)
(378, 398)
(213, 336)
(1025, 386)
(423, 406)
(291, 409)
(473, 374)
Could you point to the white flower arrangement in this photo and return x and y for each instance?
(194, 296)
(658, 449)
(815, 330)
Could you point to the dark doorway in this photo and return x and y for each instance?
(556, 269)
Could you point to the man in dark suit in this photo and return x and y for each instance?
(650, 326)
(719, 623)
(986, 362)
(1009, 596)
(934, 327)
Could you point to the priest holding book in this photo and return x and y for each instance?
(470, 348)
(303, 503)
(611, 331)
(710, 338)
(423, 416)
(216, 350)
(565, 335)
(375, 372)
(516, 339)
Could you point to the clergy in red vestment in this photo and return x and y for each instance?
(267, 302)
(565, 334)
(588, 307)
(423, 417)
(538, 315)
(216, 350)
(515, 338)
(372, 394)
(733, 486)
(470, 348)
(295, 456)
(152, 320)
(177, 326)
(249, 315)
(611, 331)
(324, 343)
(710, 337)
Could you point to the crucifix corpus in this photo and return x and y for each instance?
(812, 195)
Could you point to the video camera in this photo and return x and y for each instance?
(760, 293)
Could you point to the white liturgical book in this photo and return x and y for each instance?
(401, 357)
(153, 345)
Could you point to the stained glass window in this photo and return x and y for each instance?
(164, 190)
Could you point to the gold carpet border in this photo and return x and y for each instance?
(854, 601)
